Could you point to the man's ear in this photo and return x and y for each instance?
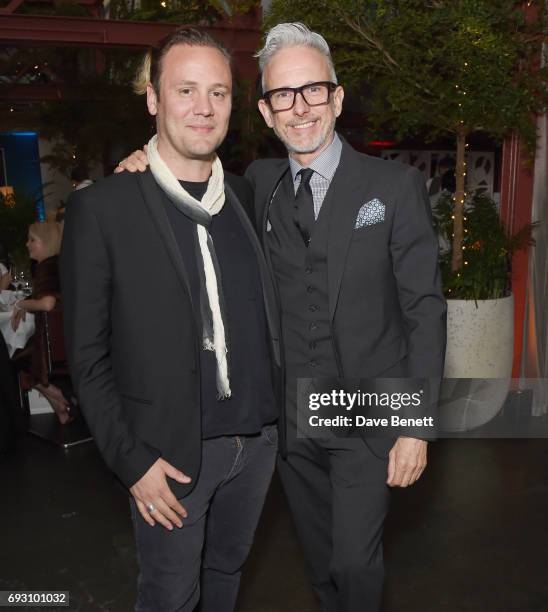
(338, 97)
(266, 113)
(152, 100)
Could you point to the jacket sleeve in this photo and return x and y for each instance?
(414, 251)
(86, 285)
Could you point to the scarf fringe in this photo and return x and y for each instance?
(201, 212)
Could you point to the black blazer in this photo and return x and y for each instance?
(386, 306)
(131, 329)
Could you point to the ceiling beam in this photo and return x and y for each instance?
(34, 30)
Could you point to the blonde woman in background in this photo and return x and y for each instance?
(43, 244)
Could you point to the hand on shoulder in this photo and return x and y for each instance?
(136, 162)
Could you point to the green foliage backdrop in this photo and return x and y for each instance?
(489, 248)
(14, 223)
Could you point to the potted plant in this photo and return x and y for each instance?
(16, 214)
(480, 311)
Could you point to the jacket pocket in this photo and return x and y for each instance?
(138, 400)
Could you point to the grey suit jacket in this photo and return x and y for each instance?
(386, 307)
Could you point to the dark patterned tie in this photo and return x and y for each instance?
(304, 205)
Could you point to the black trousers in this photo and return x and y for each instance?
(202, 561)
(336, 488)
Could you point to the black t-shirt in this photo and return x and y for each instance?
(252, 404)
(196, 189)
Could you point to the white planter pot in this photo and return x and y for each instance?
(478, 361)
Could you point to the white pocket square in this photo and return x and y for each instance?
(370, 213)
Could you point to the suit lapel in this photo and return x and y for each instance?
(348, 191)
(273, 184)
(153, 197)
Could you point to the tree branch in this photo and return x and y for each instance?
(390, 62)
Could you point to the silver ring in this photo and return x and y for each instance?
(151, 507)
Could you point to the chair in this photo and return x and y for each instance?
(56, 356)
(52, 345)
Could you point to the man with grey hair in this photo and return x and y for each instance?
(350, 243)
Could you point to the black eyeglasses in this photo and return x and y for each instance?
(314, 94)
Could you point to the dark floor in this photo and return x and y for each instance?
(470, 536)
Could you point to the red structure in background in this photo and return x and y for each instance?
(516, 192)
(516, 204)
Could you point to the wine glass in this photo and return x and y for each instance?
(20, 282)
(25, 284)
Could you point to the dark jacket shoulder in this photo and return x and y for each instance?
(240, 185)
(384, 169)
(244, 192)
(103, 192)
(263, 168)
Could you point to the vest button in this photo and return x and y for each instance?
(313, 308)
(312, 345)
(312, 363)
(308, 270)
(310, 289)
(313, 327)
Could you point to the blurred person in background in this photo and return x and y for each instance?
(80, 178)
(5, 268)
(43, 244)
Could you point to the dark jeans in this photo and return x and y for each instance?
(337, 492)
(203, 560)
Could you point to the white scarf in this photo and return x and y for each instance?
(201, 212)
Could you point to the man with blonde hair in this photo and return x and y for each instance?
(177, 388)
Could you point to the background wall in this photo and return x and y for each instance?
(22, 163)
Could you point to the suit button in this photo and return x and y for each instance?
(310, 289)
(312, 327)
(312, 363)
(312, 345)
(313, 308)
(308, 270)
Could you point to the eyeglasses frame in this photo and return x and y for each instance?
(299, 90)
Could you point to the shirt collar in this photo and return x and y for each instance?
(325, 164)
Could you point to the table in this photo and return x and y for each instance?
(14, 339)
